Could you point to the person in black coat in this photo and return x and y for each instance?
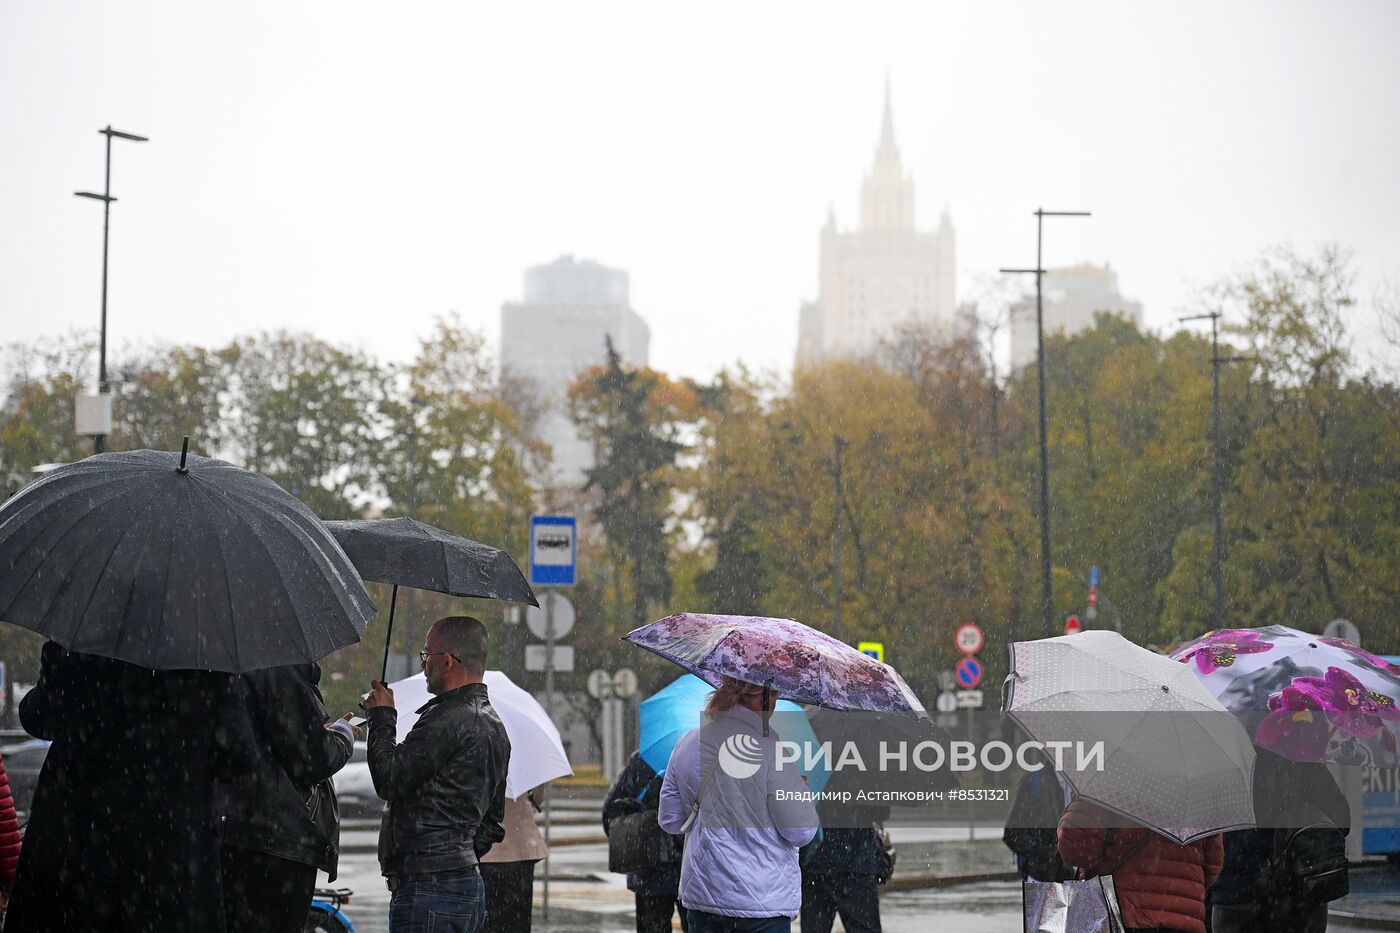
(638, 788)
(1286, 794)
(841, 875)
(282, 823)
(121, 833)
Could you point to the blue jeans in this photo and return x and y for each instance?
(457, 905)
(700, 922)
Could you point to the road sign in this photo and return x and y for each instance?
(1073, 625)
(561, 613)
(536, 655)
(970, 638)
(553, 550)
(946, 702)
(969, 699)
(946, 681)
(599, 684)
(1093, 576)
(624, 683)
(968, 673)
(1343, 629)
(1093, 596)
(876, 649)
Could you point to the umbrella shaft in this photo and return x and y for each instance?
(389, 635)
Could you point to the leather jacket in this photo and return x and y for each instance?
(445, 784)
(287, 807)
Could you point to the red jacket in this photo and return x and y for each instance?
(9, 832)
(1161, 884)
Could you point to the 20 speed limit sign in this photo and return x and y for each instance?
(970, 638)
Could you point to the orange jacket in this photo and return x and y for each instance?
(9, 832)
(1160, 884)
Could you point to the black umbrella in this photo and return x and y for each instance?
(170, 563)
(406, 552)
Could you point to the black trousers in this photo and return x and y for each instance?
(510, 896)
(855, 897)
(264, 892)
(654, 912)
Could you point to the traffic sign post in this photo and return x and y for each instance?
(969, 638)
(553, 550)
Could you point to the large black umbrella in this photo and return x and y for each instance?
(406, 552)
(170, 563)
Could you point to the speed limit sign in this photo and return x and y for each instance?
(969, 638)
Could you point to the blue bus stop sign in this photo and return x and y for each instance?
(553, 550)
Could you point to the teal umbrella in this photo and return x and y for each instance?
(674, 710)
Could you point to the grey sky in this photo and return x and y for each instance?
(355, 169)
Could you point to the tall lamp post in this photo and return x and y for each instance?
(840, 443)
(1047, 608)
(99, 441)
(1216, 361)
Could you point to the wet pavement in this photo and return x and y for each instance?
(584, 896)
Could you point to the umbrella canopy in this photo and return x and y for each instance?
(172, 562)
(536, 753)
(675, 709)
(800, 663)
(1174, 759)
(1304, 697)
(409, 553)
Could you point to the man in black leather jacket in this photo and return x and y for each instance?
(281, 824)
(445, 785)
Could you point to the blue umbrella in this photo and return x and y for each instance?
(675, 709)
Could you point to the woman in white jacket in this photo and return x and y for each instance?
(744, 818)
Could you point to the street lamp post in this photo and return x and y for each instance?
(1216, 361)
(1047, 608)
(836, 546)
(99, 441)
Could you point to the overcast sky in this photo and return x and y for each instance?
(355, 169)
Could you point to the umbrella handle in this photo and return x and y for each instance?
(767, 713)
(388, 636)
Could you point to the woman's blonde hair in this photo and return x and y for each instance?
(726, 696)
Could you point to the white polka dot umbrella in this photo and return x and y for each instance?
(1142, 736)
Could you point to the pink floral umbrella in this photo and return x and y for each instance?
(1306, 697)
(798, 662)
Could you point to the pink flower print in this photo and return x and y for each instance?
(1220, 649)
(1296, 727)
(1379, 663)
(1350, 706)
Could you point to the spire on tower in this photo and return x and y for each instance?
(887, 142)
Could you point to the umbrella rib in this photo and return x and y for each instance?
(82, 619)
(228, 585)
(277, 568)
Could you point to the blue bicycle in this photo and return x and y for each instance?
(325, 915)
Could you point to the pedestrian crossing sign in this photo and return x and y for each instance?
(876, 649)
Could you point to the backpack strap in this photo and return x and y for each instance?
(704, 786)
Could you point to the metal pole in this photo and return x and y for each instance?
(99, 441)
(1046, 597)
(836, 548)
(549, 708)
(1047, 607)
(1215, 468)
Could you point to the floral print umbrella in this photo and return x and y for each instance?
(800, 663)
(1305, 697)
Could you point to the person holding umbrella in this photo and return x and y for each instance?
(445, 784)
(281, 824)
(124, 562)
(743, 818)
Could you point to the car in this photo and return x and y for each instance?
(23, 762)
(354, 789)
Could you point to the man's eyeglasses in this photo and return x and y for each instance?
(423, 656)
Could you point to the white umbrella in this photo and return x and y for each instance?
(1174, 759)
(536, 753)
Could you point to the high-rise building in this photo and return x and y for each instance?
(1070, 297)
(560, 328)
(885, 273)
